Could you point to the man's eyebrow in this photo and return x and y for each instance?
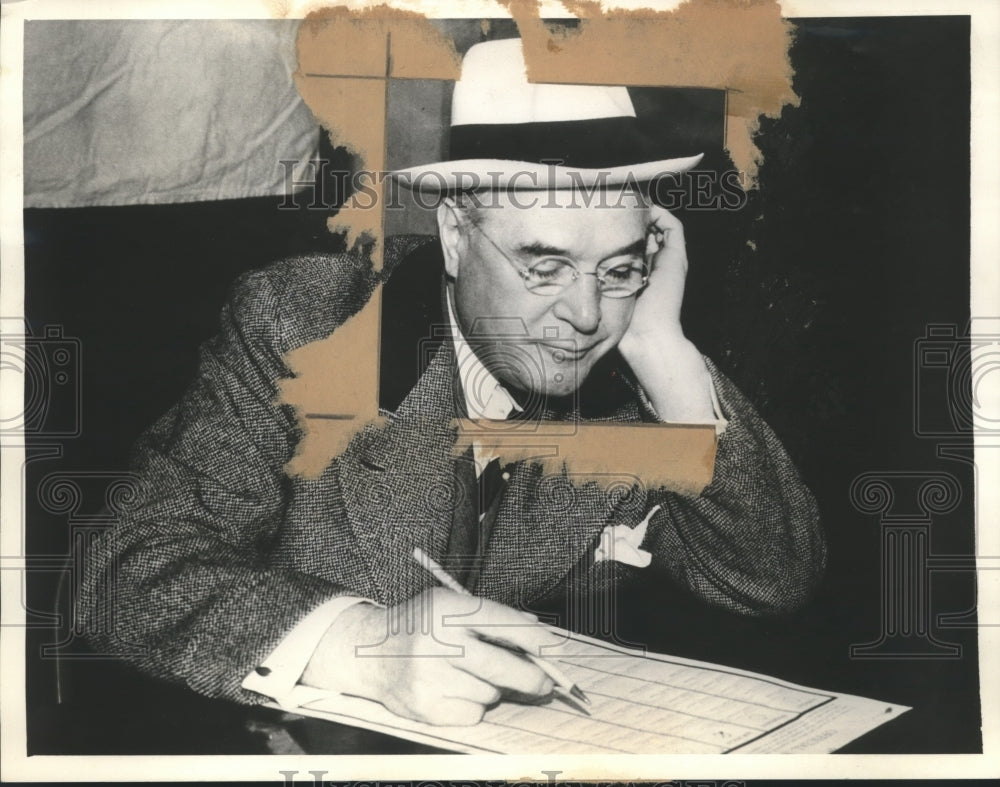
(636, 248)
(539, 249)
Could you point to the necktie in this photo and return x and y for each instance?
(473, 522)
(475, 514)
(490, 483)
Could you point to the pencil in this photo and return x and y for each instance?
(442, 576)
(547, 667)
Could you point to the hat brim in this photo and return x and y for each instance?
(505, 175)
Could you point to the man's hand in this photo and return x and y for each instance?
(657, 315)
(429, 659)
(669, 367)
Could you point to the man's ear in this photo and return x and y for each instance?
(450, 231)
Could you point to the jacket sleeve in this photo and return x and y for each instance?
(180, 586)
(752, 541)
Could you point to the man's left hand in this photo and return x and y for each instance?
(669, 367)
(657, 315)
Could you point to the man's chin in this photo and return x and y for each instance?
(560, 382)
(560, 390)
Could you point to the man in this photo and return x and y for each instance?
(225, 573)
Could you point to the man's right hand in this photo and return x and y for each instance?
(433, 658)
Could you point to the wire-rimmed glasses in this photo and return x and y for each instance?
(553, 274)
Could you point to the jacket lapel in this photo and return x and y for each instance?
(399, 485)
(549, 522)
(544, 527)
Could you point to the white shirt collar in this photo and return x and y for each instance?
(485, 396)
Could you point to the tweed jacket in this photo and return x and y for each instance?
(219, 553)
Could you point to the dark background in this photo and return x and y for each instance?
(861, 235)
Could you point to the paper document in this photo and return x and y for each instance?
(643, 703)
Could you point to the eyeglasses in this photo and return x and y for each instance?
(552, 275)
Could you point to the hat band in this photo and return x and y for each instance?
(599, 143)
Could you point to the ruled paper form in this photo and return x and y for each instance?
(643, 703)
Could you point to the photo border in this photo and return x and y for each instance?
(985, 295)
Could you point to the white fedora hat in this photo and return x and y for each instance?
(508, 133)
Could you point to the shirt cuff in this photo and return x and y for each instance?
(278, 675)
(720, 423)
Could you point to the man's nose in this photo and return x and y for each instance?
(580, 304)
